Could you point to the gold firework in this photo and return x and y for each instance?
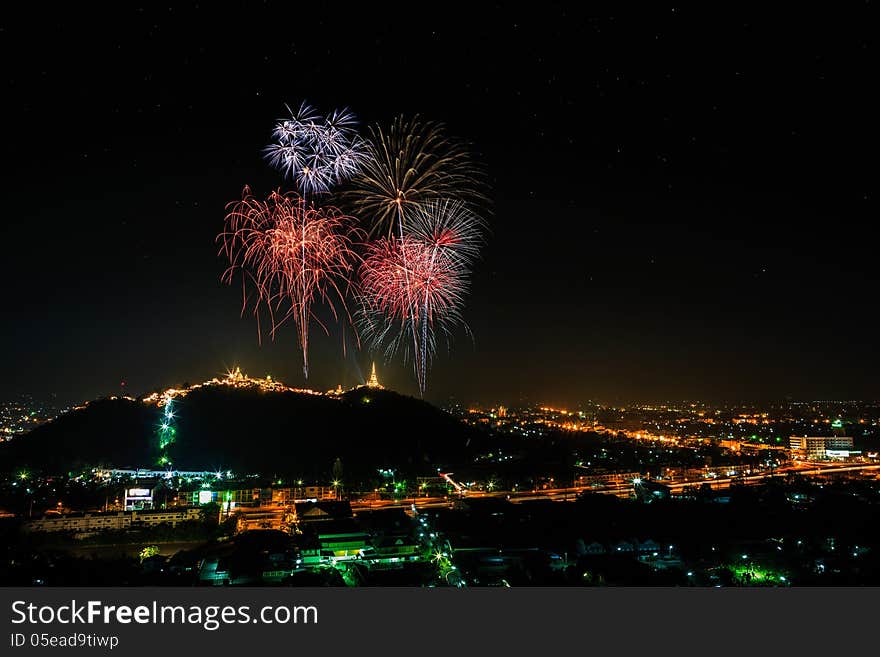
(409, 164)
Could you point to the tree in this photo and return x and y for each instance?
(148, 551)
(211, 513)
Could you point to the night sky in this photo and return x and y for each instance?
(684, 203)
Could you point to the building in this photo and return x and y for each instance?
(743, 447)
(603, 480)
(396, 549)
(821, 448)
(92, 522)
(393, 538)
(160, 517)
(80, 522)
(145, 473)
(342, 540)
(321, 511)
(593, 549)
(138, 498)
(262, 517)
(234, 498)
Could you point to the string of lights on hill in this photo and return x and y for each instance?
(236, 379)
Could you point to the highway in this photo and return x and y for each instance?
(620, 490)
(809, 469)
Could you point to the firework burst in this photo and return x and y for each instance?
(413, 287)
(411, 168)
(317, 151)
(415, 187)
(292, 256)
(409, 164)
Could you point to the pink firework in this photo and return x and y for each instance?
(414, 286)
(293, 255)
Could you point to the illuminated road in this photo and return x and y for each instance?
(620, 490)
(811, 470)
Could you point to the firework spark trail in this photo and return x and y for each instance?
(453, 234)
(417, 284)
(410, 164)
(316, 152)
(294, 255)
(405, 284)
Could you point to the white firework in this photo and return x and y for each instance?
(317, 151)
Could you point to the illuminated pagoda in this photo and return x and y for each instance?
(374, 380)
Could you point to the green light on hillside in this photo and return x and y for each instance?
(166, 433)
(758, 575)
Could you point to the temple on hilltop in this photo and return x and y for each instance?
(233, 379)
(374, 380)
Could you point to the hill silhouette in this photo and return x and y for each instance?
(254, 431)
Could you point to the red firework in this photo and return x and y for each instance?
(294, 255)
(413, 285)
(407, 278)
